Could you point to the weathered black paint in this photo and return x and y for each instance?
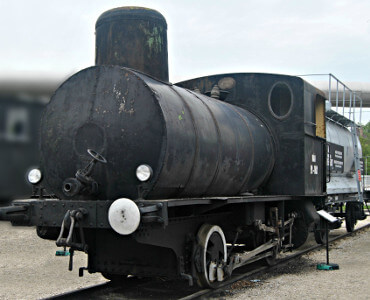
(252, 92)
(133, 37)
(314, 165)
(196, 145)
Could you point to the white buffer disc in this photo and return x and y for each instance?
(124, 216)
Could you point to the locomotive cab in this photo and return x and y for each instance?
(294, 111)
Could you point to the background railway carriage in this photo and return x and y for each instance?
(189, 180)
(345, 190)
(21, 105)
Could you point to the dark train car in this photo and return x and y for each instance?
(19, 151)
(22, 103)
(189, 181)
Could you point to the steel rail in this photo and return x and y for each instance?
(108, 287)
(280, 262)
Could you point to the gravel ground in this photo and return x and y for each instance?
(301, 280)
(29, 269)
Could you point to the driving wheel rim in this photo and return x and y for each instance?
(212, 242)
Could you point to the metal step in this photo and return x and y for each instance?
(335, 117)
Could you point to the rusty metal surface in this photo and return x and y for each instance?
(284, 115)
(196, 145)
(133, 37)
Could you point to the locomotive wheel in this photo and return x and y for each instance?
(350, 216)
(212, 254)
(299, 231)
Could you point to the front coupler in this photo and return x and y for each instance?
(16, 214)
(89, 214)
(51, 213)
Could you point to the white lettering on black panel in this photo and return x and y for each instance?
(314, 169)
(335, 158)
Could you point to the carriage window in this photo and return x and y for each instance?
(280, 100)
(17, 124)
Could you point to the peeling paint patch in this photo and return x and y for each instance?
(121, 108)
(122, 101)
(181, 115)
(154, 38)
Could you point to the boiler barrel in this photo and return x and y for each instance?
(196, 145)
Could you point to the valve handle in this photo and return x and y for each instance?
(97, 156)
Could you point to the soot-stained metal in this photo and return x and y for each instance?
(133, 37)
(244, 167)
(195, 145)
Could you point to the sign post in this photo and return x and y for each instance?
(327, 218)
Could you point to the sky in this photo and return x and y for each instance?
(56, 38)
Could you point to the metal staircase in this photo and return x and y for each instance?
(350, 122)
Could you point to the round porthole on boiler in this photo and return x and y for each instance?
(280, 100)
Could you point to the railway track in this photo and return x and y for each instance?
(135, 288)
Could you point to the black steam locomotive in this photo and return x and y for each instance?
(189, 180)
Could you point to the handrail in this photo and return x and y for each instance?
(352, 124)
(346, 89)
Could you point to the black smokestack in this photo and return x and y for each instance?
(133, 37)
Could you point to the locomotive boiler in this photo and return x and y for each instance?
(190, 180)
(192, 144)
